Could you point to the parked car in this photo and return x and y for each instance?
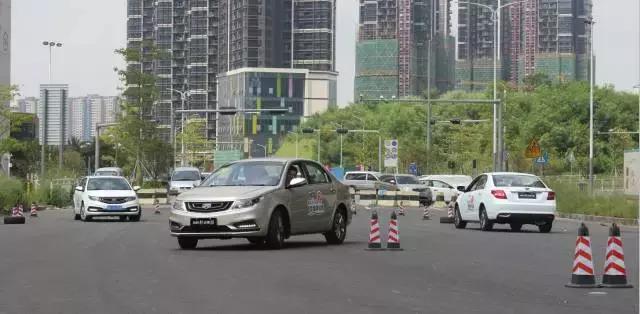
(184, 178)
(409, 183)
(366, 180)
(506, 197)
(438, 186)
(264, 201)
(453, 180)
(100, 196)
(109, 171)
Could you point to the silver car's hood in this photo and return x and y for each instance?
(223, 193)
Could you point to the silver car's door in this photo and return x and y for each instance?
(322, 198)
(298, 201)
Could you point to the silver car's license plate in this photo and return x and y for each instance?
(203, 221)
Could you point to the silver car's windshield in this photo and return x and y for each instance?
(185, 175)
(248, 173)
(109, 184)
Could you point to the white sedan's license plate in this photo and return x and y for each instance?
(114, 207)
(527, 195)
(203, 222)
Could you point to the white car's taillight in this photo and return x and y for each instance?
(499, 194)
(551, 195)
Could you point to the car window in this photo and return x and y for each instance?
(481, 183)
(106, 173)
(407, 180)
(371, 177)
(316, 174)
(517, 180)
(356, 176)
(294, 171)
(473, 184)
(185, 175)
(388, 179)
(440, 184)
(247, 173)
(108, 184)
(427, 182)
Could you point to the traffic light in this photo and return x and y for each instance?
(455, 121)
(307, 130)
(342, 131)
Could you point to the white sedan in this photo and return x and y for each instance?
(100, 196)
(506, 197)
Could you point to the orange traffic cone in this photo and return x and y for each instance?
(582, 274)
(615, 275)
(394, 236)
(374, 234)
(34, 210)
(401, 209)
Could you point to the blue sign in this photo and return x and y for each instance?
(413, 169)
(544, 159)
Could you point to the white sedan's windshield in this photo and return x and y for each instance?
(109, 184)
(250, 173)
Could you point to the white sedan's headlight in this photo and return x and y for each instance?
(246, 203)
(179, 205)
(94, 198)
(130, 198)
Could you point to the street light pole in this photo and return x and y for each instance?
(51, 44)
(591, 77)
(183, 96)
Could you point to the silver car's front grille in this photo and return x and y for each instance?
(113, 200)
(207, 207)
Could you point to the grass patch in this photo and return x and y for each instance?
(571, 200)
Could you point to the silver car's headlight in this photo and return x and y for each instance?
(94, 198)
(246, 203)
(179, 205)
(130, 199)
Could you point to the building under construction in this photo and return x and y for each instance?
(537, 36)
(396, 43)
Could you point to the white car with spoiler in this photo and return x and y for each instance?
(506, 197)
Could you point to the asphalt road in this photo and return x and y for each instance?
(56, 265)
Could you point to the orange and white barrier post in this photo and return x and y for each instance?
(374, 233)
(582, 273)
(615, 274)
(393, 242)
(34, 210)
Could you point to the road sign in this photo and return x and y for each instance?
(391, 153)
(533, 149)
(413, 169)
(544, 159)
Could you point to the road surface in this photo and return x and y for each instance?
(54, 264)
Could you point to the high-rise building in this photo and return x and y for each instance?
(5, 42)
(550, 37)
(77, 112)
(201, 39)
(53, 114)
(398, 43)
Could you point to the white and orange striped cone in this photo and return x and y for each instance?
(394, 234)
(401, 209)
(374, 234)
(449, 219)
(156, 204)
(582, 273)
(34, 210)
(426, 214)
(615, 274)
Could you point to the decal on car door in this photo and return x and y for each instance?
(316, 204)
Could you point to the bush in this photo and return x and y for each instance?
(11, 192)
(573, 201)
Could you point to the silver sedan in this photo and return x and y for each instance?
(264, 201)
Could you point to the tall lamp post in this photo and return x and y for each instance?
(183, 98)
(495, 18)
(591, 23)
(51, 45)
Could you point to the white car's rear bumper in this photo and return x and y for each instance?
(526, 213)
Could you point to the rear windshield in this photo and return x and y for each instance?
(356, 176)
(107, 173)
(185, 175)
(514, 180)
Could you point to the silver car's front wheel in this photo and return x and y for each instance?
(338, 229)
(276, 234)
(83, 214)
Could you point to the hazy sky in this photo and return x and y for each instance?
(92, 29)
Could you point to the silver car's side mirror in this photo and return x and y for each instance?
(136, 188)
(297, 182)
(79, 188)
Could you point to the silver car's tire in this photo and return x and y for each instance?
(187, 243)
(338, 228)
(276, 234)
(485, 223)
(83, 214)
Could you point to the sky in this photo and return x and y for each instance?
(90, 31)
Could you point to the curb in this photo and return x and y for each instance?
(619, 221)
